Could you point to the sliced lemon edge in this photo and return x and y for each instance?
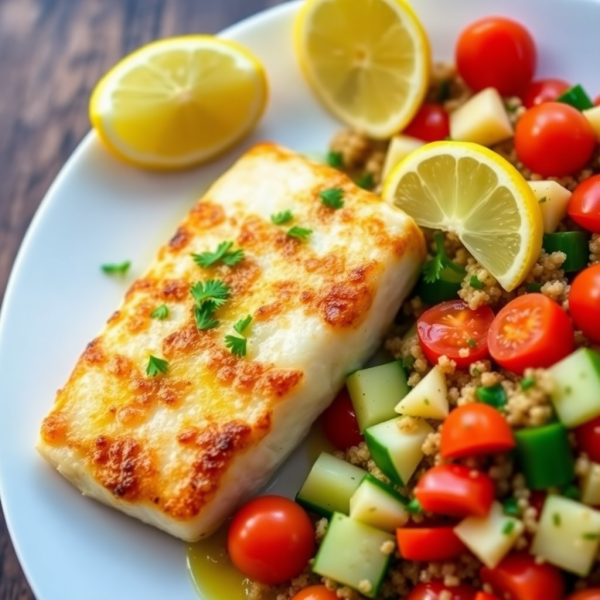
(99, 101)
(531, 229)
(388, 129)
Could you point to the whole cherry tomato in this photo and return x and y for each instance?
(584, 302)
(430, 124)
(544, 90)
(270, 539)
(316, 592)
(434, 589)
(584, 204)
(339, 423)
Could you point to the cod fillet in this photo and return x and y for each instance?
(181, 449)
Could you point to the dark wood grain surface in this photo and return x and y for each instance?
(52, 52)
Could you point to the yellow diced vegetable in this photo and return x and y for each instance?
(400, 147)
(553, 199)
(593, 116)
(428, 399)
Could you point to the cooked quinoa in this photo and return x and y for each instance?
(524, 407)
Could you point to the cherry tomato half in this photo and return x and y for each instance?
(521, 578)
(455, 490)
(474, 429)
(429, 543)
(484, 596)
(585, 595)
(530, 331)
(496, 52)
(584, 204)
(588, 438)
(554, 139)
(433, 590)
(340, 424)
(430, 124)
(270, 539)
(452, 326)
(544, 90)
(316, 592)
(584, 302)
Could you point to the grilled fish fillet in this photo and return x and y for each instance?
(181, 449)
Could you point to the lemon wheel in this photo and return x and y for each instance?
(475, 193)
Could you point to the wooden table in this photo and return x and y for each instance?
(52, 52)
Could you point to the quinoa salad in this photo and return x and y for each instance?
(495, 391)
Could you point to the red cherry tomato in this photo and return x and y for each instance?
(474, 429)
(585, 595)
(584, 204)
(496, 52)
(584, 302)
(271, 539)
(554, 139)
(530, 331)
(588, 438)
(429, 543)
(433, 590)
(544, 90)
(455, 490)
(339, 423)
(484, 596)
(430, 124)
(316, 592)
(521, 578)
(452, 326)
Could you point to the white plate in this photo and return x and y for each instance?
(99, 211)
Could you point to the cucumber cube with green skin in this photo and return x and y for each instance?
(590, 486)
(396, 446)
(330, 485)
(576, 396)
(428, 399)
(567, 535)
(376, 391)
(379, 505)
(354, 554)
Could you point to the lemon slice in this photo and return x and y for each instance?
(472, 191)
(367, 60)
(178, 102)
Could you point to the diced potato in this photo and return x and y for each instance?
(428, 399)
(490, 538)
(568, 534)
(482, 120)
(400, 147)
(593, 116)
(590, 486)
(553, 199)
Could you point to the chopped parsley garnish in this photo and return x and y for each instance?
(408, 362)
(332, 198)
(242, 324)
(508, 527)
(160, 312)
(471, 343)
(571, 491)
(512, 108)
(282, 217)
(365, 181)
(214, 290)
(116, 268)
(475, 282)
(335, 160)
(542, 200)
(556, 520)
(223, 254)
(590, 536)
(156, 366)
(204, 315)
(533, 287)
(510, 507)
(299, 232)
(432, 269)
(237, 345)
(414, 507)
(527, 383)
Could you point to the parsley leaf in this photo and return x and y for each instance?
(556, 519)
(237, 345)
(471, 343)
(204, 315)
(241, 325)
(156, 366)
(222, 253)
(508, 527)
(533, 287)
(335, 160)
(116, 269)
(214, 290)
(511, 507)
(160, 312)
(365, 181)
(542, 200)
(432, 269)
(590, 536)
(408, 362)
(414, 507)
(299, 232)
(475, 282)
(332, 198)
(282, 217)
(527, 382)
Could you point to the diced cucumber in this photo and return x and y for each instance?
(428, 399)
(378, 505)
(490, 538)
(590, 486)
(353, 554)
(576, 396)
(575, 244)
(330, 485)
(376, 391)
(567, 535)
(553, 199)
(396, 447)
